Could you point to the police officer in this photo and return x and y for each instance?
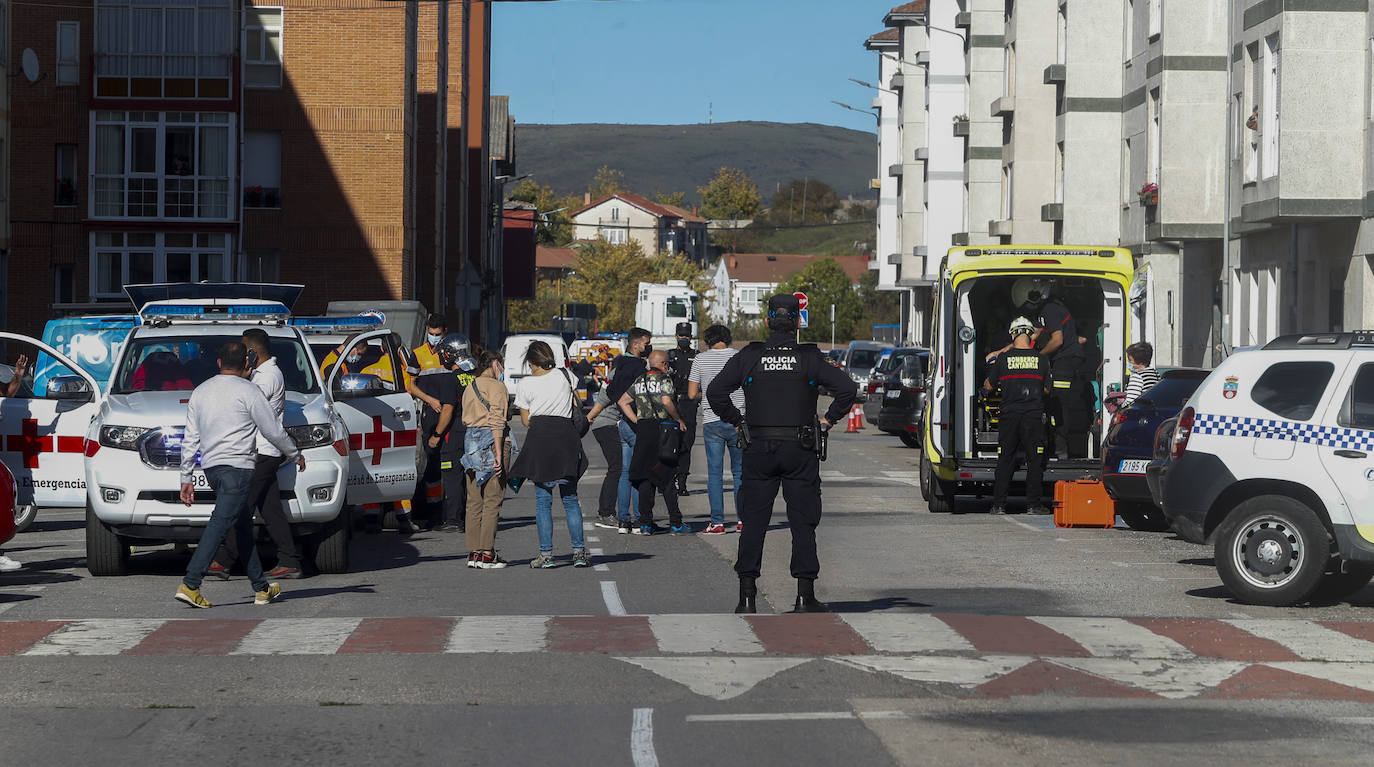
(780, 438)
(680, 365)
(1020, 373)
(1056, 336)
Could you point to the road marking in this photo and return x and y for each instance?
(1019, 523)
(1309, 640)
(1116, 637)
(499, 633)
(965, 672)
(593, 539)
(704, 634)
(718, 676)
(913, 632)
(96, 637)
(611, 597)
(796, 716)
(600, 567)
(297, 636)
(1166, 678)
(642, 739)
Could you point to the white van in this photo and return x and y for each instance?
(513, 351)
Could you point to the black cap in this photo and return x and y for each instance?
(684, 329)
(784, 302)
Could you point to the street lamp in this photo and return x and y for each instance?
(871, 85)
(876, 117)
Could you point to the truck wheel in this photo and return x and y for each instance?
(910, 439)
(939, 495)
(1272, 550)
(331, 546)
(1337, 586)
(1145, 517)
(24, 516)
(106, 552)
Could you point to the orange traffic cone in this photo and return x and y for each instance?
(851, 427)
(859, 415)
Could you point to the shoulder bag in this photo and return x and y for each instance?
(507, 444)
(579, 416)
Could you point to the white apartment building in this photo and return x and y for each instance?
(887, 256)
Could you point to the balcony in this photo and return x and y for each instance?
(895, 170)
(958, 239)
(922, 153)
(1053, 211)
(1054, 74)
(1000, 228)
(896, 82)
(963, 20)
(1004, 106)
(961, 127)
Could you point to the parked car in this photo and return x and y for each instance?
(904, 397)
(889, 363)
(859, 360)
(1130, 446)
(1158, 468)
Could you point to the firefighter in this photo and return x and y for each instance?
(1020, 374)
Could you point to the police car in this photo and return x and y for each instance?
(114, 448)
(1273, 463)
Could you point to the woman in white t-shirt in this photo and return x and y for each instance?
(552, 454)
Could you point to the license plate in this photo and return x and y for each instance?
(1133, 467)
(200, 481)
(894, 394)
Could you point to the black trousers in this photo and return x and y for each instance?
(608, 438)
(1069, 407)
(662, 481)
(440, 466)
(1023, 433)
(687, 408)
(768, 464)
(264, 497)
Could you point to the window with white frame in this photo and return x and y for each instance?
(261, 169)
(130, 258)
(1154, 138)
(1156, 23)
(615, 235)
(68, 52)
(161, 165)
(1270, 128)
(262, 28)
(172, 49)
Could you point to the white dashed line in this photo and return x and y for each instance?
(611, 596)
(642, 739)
(600, 567)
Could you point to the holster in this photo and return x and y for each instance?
(742, 435)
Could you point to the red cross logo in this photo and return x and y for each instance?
(379, 439)
(30, 445)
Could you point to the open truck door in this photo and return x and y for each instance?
(381, 419)
(938, 443)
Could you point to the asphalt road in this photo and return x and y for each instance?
(959, 639)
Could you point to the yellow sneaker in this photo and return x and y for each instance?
(191, 597)
(263, 597)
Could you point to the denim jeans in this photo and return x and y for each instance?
(627, 497)
(543, 514)
(232, 488)
(719, 435)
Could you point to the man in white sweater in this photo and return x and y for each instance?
(223, 420)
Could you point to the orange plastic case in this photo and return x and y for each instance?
(1083, 503)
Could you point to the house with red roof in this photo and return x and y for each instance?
(744, 281)
(658, 228)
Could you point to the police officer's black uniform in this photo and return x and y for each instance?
(1067, 402)
(780, 379)
(1020, 374)
(680, 365)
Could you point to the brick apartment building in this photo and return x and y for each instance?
(172, 140)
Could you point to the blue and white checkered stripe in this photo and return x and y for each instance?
(1266, 428)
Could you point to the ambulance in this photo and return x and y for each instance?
(113, 446)
(972, 308)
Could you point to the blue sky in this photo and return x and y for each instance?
(667, 61)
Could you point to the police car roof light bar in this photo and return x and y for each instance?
(215, 312)
(335, 324)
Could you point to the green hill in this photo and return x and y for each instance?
(680, 158)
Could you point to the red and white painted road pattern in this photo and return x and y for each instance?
(722, 656)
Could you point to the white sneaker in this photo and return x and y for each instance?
(8, 565)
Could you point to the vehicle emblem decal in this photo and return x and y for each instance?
(1231, 388)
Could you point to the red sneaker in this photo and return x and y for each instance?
(739, 527)
(218, 570)
(284, 573)
(714, 530)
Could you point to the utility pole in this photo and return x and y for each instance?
(832, 326)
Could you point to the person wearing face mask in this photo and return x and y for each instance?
(680, 367)
(427, 353)
(1140, 357)
(441, 494)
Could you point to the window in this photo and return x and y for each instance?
(66, 175)
(1250, 117)
(1292, 389)
(676, 308)
(1129, 24)
(614, 236)
(1009, 70)
(261, 169)
(130, 258)
(63, 283)
(68, 52)
(172, 49)
(161, 165)
(1006, 192)
(615, 214)
(262, 47)
(1156, 24)
(262, 265)
(1125, 171)
(1062, 36)
(1270, 129)
(1154, 137)
(1357, 411)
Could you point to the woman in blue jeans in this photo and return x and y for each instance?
(552, 455)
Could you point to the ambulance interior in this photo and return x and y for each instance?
(986, 306)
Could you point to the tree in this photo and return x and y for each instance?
(609, 276)
(608, 181)
(555, 226)
(675, 199)
(804, 201)
(825, 282)
(535, 313)
(880, 307)
(730, 195)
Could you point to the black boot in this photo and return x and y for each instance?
(747, 592)
(806, 598)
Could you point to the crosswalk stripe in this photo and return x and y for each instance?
(965, 672)
(1165, 678)
(1115, 637)
(96, 637)
(297, 636)
(689, 634)
(499, 633)
(1310, 641)
(907, 632)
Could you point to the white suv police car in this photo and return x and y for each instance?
(116, 452)
(1273, 462)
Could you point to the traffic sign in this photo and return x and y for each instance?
(801, 298)
(805, 318)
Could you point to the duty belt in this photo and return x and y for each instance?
(790, 433)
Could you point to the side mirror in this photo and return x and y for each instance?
(68, 388)
(358, 385)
